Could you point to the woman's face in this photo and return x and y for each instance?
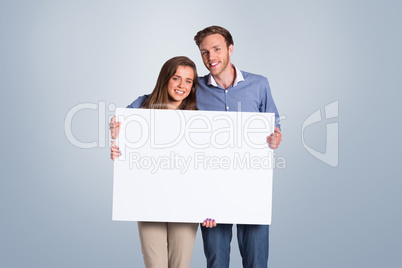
(180, 84)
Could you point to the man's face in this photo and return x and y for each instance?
(215, 54)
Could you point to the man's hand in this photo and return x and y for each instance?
(114, 151)
(275, 138)
(114, 128)
(209, 223)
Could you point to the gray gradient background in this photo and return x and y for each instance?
(56, 199)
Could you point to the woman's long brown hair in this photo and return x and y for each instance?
(159, 98)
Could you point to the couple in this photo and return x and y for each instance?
(226, 88)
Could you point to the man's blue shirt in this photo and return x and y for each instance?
(250, 94)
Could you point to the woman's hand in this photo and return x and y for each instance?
(114, 128)
(114, 151)
(209, 223)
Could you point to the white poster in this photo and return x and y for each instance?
(186, 166)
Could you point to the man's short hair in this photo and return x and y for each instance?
(213, 30)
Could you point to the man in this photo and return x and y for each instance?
(227, 88)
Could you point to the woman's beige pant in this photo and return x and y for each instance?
(167, 244)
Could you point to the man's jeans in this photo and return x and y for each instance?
(253, 245)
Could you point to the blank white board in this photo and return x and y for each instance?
(186, 166)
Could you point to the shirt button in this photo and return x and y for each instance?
(226, 91)
(227, 107)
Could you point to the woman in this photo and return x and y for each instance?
(167, 244)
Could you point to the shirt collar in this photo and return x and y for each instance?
(239, 78)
